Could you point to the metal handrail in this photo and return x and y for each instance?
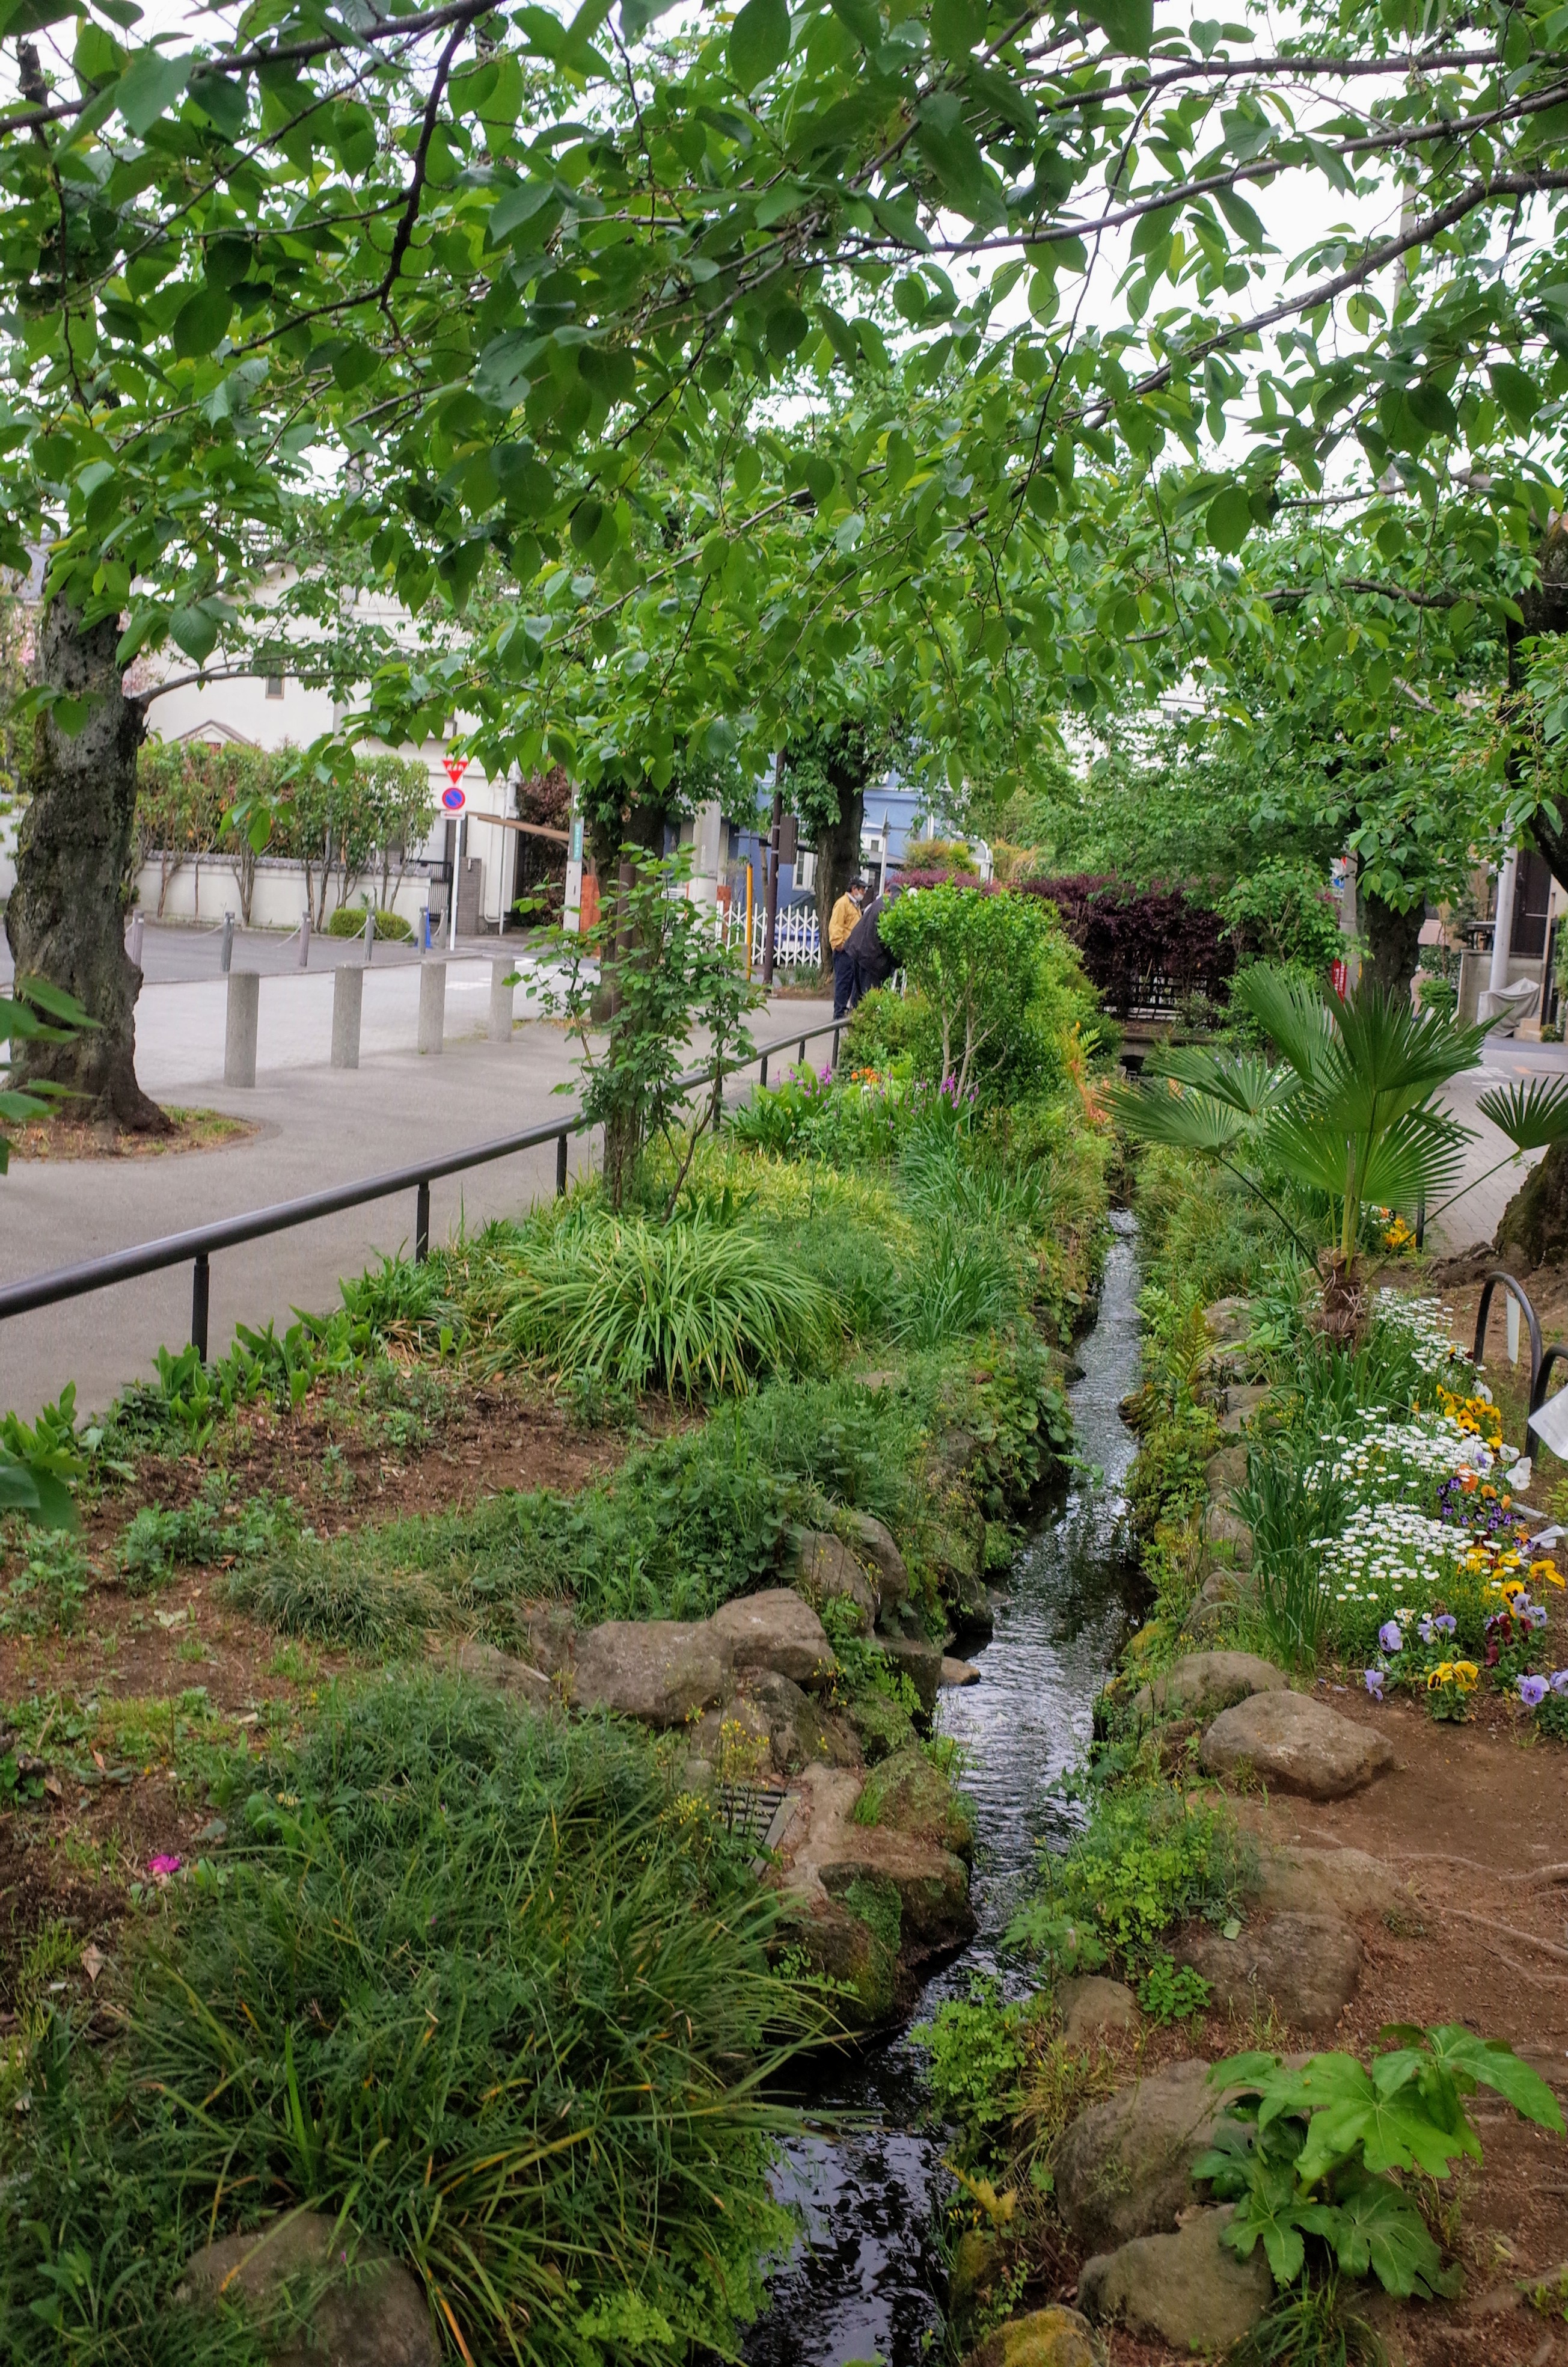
(201, 1242)
(1515, 1290)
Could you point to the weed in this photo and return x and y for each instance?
(1170, 1992)
(1149, 1858)
(45, 1596)
(978, 2051)
(209, 1530)
(1312, 2325)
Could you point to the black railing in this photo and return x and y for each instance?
(202, 1243)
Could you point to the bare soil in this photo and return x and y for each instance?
(68, 1856)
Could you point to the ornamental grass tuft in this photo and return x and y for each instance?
(468, 1976)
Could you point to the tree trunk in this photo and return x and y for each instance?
(1534, 1231)
(837, 862)
(1393, 941)
(66, 918)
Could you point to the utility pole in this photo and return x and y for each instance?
(770, 907)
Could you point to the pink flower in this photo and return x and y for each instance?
(161, 1867)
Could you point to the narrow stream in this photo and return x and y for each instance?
(865, 2281)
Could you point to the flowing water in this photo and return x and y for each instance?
(865, 2281)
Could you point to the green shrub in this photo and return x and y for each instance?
(45, 1584)
(348, 921)
(466, 1976)
(209, 1530)
(1308, 2150)
(695, 1308)
(1149, 1858)
(978, 2053)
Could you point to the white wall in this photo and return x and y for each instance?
(202, 892)
(7, 855)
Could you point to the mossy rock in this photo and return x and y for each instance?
(911, 1795)
(880, 1725)
(845, 1949)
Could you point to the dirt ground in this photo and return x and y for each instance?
(147, 1684)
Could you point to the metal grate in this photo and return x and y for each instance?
(748, 1811)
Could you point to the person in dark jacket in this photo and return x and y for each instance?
(874, 965)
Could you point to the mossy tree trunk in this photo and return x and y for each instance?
(66, 918)
(1534, 1231)
(1393, 943)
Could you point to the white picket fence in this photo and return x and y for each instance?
(798, 942)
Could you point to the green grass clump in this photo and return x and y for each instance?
(467, 1975)
(694, 1308)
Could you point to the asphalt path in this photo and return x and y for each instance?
(316, 1126)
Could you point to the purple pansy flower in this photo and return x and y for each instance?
(1374, 1683)
(1390, 1636)
(1532, 1692)
(1560, 1680)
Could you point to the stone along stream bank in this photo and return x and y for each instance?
(867, 2280)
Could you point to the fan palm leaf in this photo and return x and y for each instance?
(1533, 1116)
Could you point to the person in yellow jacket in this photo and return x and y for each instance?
(841, 921)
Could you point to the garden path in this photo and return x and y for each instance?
(1476, 1213)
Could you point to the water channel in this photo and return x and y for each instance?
(865, 2281)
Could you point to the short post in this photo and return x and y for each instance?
(560, 1166)
(134, 947)
(305, 938)
(765, 1076)
(226, 950)
(200, 1288)
(425, 928)
(836, 1033)
(239, 1033)
(348, 1010)
(502, 990)
(801, 1060)
(422, 1224)
(369, 932)
(432, 1006)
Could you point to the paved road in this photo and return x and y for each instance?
(317, 1126)
(171, 953)
(1485, 1188)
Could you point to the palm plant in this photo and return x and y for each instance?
(1349, 1111)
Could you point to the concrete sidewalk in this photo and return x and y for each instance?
(318, 1126)
(1485, 1188)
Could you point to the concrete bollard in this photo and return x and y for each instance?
(226, 950)
(348, 1009)
(240, 1035)
(432, 1006)
(305, 938)
(501, 993)
(134, 947)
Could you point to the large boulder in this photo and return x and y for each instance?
(1124, 2167)
(1187, 2289)
(800, 1732)
(1295, 1879)
(1045, 2338)
(776, 1629)
(876, 1545)
(1228, 1320)
(1294, 1744)
(879, 1725)
(918, 1661)
(657, 1670)
(968, 1603)
(822, 1568)
(908, 1794)
(1226, 1470)
(334, 2299)
(1089, 2005)
(1307, 1966)
(1227, 1534)
(500, 1671)
(1202, 1683)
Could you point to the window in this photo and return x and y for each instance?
(274, 686)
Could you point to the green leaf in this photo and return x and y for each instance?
(195, 632)
(1493, 2065)
(201, 320)
(1532, 1115)
(1517, 392)
(1128, 25)
(223, 98)
(1229, 518)
(758, 41)
(149, 87)
(957, 26)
